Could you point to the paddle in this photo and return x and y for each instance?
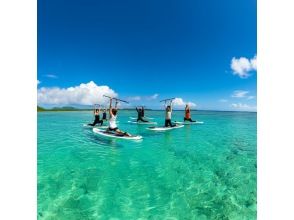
(115, 99)
(165, 100)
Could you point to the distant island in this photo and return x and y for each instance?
(65, 108)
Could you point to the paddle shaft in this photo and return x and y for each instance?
(164, 100)
(115, 99)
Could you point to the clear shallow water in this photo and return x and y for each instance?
(197, 172)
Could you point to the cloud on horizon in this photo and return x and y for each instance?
(83, 94)
(242, 66)
(243, 107)
(179, 102)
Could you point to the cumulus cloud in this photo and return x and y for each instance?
(83, 94)
(52, 76)
(239, 94)
(180, 102)
(242, 66)
(253, 62)
(155, 96)
(243, 107)
(134, 98)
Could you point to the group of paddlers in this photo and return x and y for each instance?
(140, 115)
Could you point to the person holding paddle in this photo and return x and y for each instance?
(97, 117)
(112, 120)
(188, 114)
(168, 115)
(140, 112)
(104, 115)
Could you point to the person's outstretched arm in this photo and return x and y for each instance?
(94, 109)
(110, 107)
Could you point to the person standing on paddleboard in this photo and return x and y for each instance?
(97, 117)
(188, 114)
(140, 112)
(112, 120)
(168, 113)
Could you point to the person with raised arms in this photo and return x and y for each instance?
(104, 115)
(188, 114)
(168, 115)
(97, 117)
(112, 120)
(140, 112)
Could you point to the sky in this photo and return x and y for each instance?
(201, 52)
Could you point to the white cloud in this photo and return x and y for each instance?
(155, 96)
(250, 97)
(84, 94)
(134, 98)
(52, 76)
(242, 66)
(253, 62)
(181, 103)
(243, 107)
(239, 94)
(38, 82)
(239, 105)
(223, 100)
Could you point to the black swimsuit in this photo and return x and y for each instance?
(96, 121)
(104, 116)
(140, 116)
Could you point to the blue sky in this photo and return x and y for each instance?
(140, 48)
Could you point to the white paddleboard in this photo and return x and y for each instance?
(148, 118)
(113, 135)
(188, 122)
(96, 126)
(162, 128)
(134, 118)
(143, 123)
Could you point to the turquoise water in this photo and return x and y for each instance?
(196, 172)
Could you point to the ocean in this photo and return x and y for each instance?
(202, 171)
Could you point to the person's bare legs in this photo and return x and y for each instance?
(122, 133)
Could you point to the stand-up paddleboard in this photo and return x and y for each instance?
(162, 128)
(110, 134)
(188, 122)
(148, 118)
(96, 126)
(143, 123)
(134, 118)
